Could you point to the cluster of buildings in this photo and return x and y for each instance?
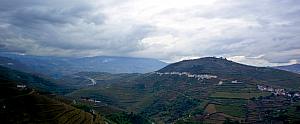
(236, 82)
(279, 91)
(90, 100)
(198, 77)
(21, 86)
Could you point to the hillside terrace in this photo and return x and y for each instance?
(259, 110)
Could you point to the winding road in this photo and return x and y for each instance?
(92, 80)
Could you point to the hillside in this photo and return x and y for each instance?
(88, 79)
(292, 68)
(209, 90)
(226, 69)
(61, 66)
(30, 80)
(13, 64)
(22, 104)
(27, 98)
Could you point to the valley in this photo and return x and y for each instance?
(205, 90)
(169, 97)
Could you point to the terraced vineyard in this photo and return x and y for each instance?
(40, 109)
(21, 104)
(229, 90)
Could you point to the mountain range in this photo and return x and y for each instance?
(60, 66)
(292, 68)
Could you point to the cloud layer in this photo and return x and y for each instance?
(257, 32)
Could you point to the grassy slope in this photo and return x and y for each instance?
(150, 95)
(34, 81)
(29, 106)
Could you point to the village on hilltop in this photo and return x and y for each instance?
(279, 91)
(198, 77)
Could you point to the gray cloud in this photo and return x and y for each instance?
(241, 30)
(78, 26)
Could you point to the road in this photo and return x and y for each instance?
(92, 80)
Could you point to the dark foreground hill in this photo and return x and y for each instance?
(58, 66)
(206, 90)
(292, 68)
(21, 104)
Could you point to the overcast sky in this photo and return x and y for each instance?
(256, 32)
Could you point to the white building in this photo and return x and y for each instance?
(21, 86)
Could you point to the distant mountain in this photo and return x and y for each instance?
(13, 64)
(205, 90)
(292, 68)
(28, 79)
(58, 66)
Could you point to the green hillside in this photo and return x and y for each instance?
(83, 79)
(27, 98)
(170, 98)
(34, 81)
(25, 105)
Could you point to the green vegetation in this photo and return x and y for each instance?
(124, 118)
(34, 81)
(84, 107)
(34, 108)
(188, 122)
(229, 95)
(293, 113)
(167, 98)
(26, 105)
(232, 70)
(228, 121)
(233, 110)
